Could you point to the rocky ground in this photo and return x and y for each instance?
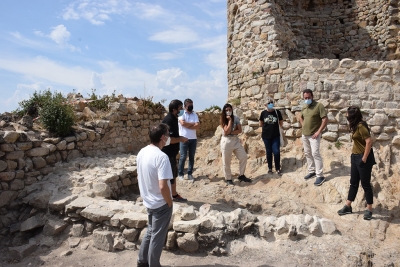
(356, 243)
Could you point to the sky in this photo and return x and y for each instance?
(165, 49)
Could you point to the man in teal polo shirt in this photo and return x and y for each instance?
(313, 120)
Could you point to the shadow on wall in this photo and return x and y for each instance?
(339, 29)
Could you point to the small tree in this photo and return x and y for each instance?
(57, 116)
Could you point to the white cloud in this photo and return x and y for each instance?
(178, 34)
(150, 12)
(96, 81)
(19, 39)
(60, 34)
(166, 55)
(95, 11)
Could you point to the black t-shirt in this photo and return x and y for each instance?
(270, 128)
(172, 121)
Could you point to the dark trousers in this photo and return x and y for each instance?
(154, 239)
(186, 148)
(272, 146)
(361, 171)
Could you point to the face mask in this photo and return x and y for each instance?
(168, 141)
(308, 101)
(180, 112)
(270, 106)
(228, 113)
(190, 108)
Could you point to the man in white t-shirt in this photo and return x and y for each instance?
(188, 124)
(154, 174)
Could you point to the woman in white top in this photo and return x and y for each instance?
(230, 143)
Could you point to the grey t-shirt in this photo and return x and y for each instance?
(236, 121)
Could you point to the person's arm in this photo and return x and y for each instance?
(227, 128)
(238, 129)
(321, 128)
(175, 140)
(368, 145)
(165, 191)
(301, 120)
(261, 123)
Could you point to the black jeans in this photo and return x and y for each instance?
(361, 171)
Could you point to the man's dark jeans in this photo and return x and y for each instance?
(189, 146)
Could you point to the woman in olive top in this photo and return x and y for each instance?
(362, 160)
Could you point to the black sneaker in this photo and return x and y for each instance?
(270, 171)
(142, 264)
(367, 215)
(229, 182)
(319, 181)
(178, 198)
(310, 175)
(345, 210)
(279, 172)
(244, 179)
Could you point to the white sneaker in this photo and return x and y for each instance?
(190, 177)
(180, 177)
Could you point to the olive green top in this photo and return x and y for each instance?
(359, 137)
(312, 117)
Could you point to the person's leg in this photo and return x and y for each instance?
(183, 149)
(354, 178)
(173, 162)
(226, 151)
(143, 256)
(308, 153)
(275, 144)
(365, 177)
(241, 155)
(160, 224)
(192, 152)
(268, 149)
(319, 165)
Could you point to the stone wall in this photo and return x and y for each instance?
(26, 156)
(267, 38)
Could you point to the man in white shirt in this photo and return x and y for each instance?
(188, 124)
(154, 174)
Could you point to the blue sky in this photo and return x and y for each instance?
(166, 49)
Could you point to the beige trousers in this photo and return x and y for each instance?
(231, 145)
(311, 151)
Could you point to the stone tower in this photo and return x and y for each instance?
(346, 51)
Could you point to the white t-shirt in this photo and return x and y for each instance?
(152, 165)
(186, 132)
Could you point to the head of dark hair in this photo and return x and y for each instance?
(187, 101)
(157, 131)
(354, 117)
(174, 105)
(223, 119)
(308, 91)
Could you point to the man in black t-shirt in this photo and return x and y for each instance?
(173, 149)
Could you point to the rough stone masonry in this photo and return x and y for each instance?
(346, 51)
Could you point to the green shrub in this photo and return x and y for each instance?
(57, 116)
(213, 107)
(235, 102)
(101, 103)
(338, 144)
(34, 103)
